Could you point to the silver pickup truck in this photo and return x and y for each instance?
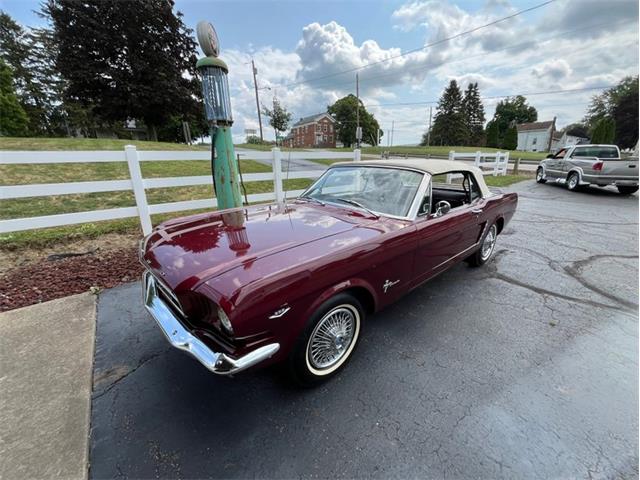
(582, 165)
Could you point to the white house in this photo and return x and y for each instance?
(536, 136)
(561, 140)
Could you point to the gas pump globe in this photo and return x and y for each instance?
(217, 101)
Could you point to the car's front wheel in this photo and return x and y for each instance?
(328, 340)
(486, 249)
(540, 176)
(627, 190)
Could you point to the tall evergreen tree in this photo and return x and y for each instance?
(13, 120)
(450, 126)
(31, 69)
(492, 135)
(474, 115)
(126, 60)
(510, 141)
(513, 109)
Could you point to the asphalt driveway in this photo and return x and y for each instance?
(527, 367)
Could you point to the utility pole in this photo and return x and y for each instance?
(358, 131)
(429, 131)
(392, 128)
(255, 86)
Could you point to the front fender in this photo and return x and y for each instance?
(341, 287)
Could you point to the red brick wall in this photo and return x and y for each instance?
(319, 134)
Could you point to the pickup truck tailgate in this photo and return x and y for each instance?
(624, 167)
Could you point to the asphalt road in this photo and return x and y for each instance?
(527, 367)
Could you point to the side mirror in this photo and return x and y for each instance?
(550, 155)
(442, 207)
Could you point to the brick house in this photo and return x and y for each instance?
(313, 131)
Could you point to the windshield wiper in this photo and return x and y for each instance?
(307, 197)
(357, 204)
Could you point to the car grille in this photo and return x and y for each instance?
(169, 297)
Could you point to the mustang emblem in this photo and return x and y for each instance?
(388, 283)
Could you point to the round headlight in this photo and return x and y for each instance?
(224, 320)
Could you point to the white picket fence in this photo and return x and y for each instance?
(138, 184)
(497, 161)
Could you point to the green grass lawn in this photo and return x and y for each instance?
(76, 172)
(60, 173)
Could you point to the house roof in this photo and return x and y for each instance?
(312, 119)
(525, 127)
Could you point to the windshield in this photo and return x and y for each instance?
(389, 191)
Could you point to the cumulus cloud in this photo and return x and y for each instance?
(553, 49)
(557, 69)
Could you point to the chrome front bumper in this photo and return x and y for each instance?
(180, 337)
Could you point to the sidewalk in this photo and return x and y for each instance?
(46, 359)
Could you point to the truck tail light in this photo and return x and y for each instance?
(598, 166)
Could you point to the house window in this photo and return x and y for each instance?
(331, 128)
(535, 141)
(324, 138)
(330, 138)
(317, 127)
(324, 127)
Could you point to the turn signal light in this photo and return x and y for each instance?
(598, 166)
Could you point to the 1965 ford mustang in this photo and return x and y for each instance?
(293, 282)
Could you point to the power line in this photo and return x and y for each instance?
(424, 47)
(528, 94)
(366, 79)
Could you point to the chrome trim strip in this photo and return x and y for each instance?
(458, 254)
(180, 338)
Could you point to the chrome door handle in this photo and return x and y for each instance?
(476, 210)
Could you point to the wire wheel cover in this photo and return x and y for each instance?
(332, 337)
(489, 243)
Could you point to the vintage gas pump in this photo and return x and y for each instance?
(215, 91)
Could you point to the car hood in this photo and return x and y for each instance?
(186, 252)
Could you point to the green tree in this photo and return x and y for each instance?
(577, 130)
(492, 135)
(510, 141)
(513, 109)
(126, 60)
(344, 111)
(604, 131)
(450, 124)
(474, 115)
(13, 120)
(619, 103)
(29, 55)
(279, 117)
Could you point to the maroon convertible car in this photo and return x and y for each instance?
(293, 283)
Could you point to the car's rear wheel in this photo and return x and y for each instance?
(487, 246)
(573, 181)
(627, 190)
(328, 340)
(540, 176)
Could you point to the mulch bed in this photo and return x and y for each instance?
(49, 279)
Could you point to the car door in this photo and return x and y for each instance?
(554, 165)
(442, 240)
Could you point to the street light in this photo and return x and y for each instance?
(217, 101)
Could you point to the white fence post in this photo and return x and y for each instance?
(477, 160)
(452, 155)
(131, 154)
(277, 174)
(356, 155)
(505, 164)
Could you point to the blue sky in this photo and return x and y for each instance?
(568, 44)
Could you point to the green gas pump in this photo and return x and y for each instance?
(215, 91)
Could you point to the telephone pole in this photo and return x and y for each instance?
(429, 130)
(255, 86)
(393, 122)
(358, 131)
